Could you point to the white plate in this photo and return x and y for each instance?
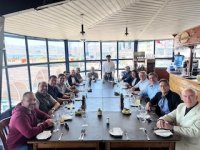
(66, 117)
(78, 99)
(116, 131)
(145, 117)
(44, 135)
(163, 133)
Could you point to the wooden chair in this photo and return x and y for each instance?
(4, 131)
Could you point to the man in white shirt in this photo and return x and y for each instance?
(108, 69)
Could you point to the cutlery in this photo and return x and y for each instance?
(126, 134)
(83, 134)
(145, 131)
(60, 137)
(80, 137)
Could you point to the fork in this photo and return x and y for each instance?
(60, 136)
(145, 131)
(80, 137)
(126, 134)
(83, 133)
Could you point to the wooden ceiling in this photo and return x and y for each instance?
(107, 19)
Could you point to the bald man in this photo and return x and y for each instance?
(185, 120)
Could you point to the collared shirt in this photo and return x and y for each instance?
(79, 77)
(142, 84)
(54, 92)
(73, 80)
(62, 88)
(93, 75)
(150, 90)
(108, 67)
(164, 107)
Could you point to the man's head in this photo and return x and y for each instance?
(78, 70)
(73, 73)
(127, 68)
(92, 69)
(164, 86)
(153, 78)
(28, 100)
(108, 57)
(42, 87)
(142, 75)
(66, 73)
(134, 74)
(52, 80)
(61, 78)
(189, 96)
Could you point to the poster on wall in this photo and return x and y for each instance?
(2, 45)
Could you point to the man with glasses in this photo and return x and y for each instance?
(165, 100)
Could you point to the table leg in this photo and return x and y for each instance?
(107, 146)
(34, 146)
(172, 146)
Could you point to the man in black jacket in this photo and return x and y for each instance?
(72, 80)
(165, 100)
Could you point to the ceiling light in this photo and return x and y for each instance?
(82, 33)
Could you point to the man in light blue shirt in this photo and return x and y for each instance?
(152, 88)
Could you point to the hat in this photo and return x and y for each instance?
(108, 56)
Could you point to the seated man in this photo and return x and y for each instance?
(184, 120)
(166, 100)
(47, 103)
(127, 76)
(108, 69)
(142, 84)
(152, 88)
(78, 75)
(54, 92)
(72, 80)
(24, 123)
(92, 74)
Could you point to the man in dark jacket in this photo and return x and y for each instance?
(72, 80)
(165, 100)
(127, 75)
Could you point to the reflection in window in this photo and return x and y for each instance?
(56, 51)
(183, 51)
(4, 93)
(163, 63)
(92, 50)
(163, 48)
(147, 47)
(19, 83)
(38, 73)
(15, 50)
(109, 48)
(124, 63)
(74, 65)
(95, 64)
(197, 51)
(37, 51)
(56, 69)
(126, 50)
(76, 51)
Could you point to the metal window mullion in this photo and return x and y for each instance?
(101, 56)
(117, 57)
(66, 54)
(84, 55)
(47, 49)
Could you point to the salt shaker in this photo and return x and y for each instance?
(107, 121)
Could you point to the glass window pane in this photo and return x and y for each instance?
(95, 64)
(92, 50)
(124, 63)
(183, 51)
(19, 83)
(38, 73)
(147, 47)
(56, 51)
(126, 50)
(76, 51)
(4, 94)
(163, 63)
(197, 51)
(37, 51)
(74, 65)
(109, 48)
(56, 69)
(15, 50)
(164, 48)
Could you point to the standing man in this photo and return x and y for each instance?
(108, 69)
(185, 121)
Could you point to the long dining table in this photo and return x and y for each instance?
(97, 128)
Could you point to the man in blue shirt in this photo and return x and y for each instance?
(152, 88)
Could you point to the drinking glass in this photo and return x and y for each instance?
(84, 116)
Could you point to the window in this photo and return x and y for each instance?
(37, 51)
(126, 50)
(197, 51)
(163, 48)
(38, 73)
(56, 69)
(92, 50)
(109, 48)
(124, 63)
(4, 94)
(19, 83)
(56, 51)
(95, 64)
(163, 63)
(183, 51)
(76, 51)
(74, 65)
(147, 47)
(15, 50)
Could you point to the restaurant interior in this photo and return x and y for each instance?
(40, 38)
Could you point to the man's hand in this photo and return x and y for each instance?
(148, 106)
(164, 124)
(49, 122)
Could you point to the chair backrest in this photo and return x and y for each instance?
(4, 131)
